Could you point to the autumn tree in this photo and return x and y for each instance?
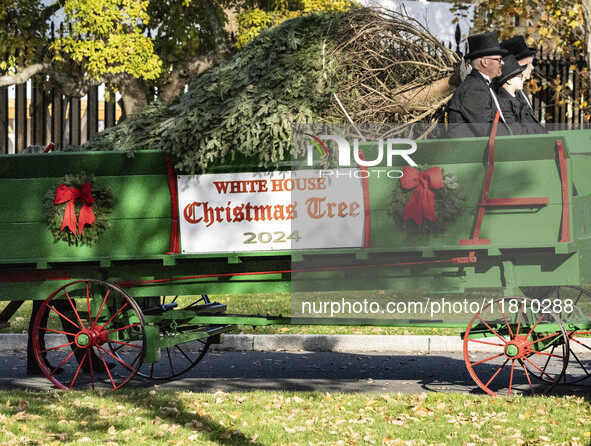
(560, 26)
(129, 45)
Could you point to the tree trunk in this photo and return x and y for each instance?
(586, 7)
(133, 96)
(184, 70)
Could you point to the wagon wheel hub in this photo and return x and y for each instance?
(518, 348)
(91, 337)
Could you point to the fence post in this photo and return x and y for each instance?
(109, 114)
(92, 112)
(57, 111)
(20, 115)
(75, 118)
(4, 120)
(38, 114)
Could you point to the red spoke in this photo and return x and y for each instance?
(505, 319)
(102, 305)
(116, 358)
(89, 316)
(534, 327)
(490, 328)
(74, 308)
(125, 343)
(487, 359)
(527, 376)
(65, 360)
(115, 315)
(546, 337)
(61, 315)
(107, 368)
(496, 373)
(123, 328)
(511, 377)
(90, 365)
(57, 331)
(484, 342)
(56, 348)
(547, 354)
(78, 370)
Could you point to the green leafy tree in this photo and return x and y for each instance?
(128, 44)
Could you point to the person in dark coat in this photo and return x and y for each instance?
(473, 106)
(518, 115)
(525, 55)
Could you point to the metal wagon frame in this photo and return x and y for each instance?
(106, 300)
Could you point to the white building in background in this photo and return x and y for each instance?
(435, 16)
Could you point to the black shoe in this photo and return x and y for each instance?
(33, 369)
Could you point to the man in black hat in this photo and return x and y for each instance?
(517, 47)
(473, 106)
(517, 114)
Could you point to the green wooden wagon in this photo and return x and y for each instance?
(521, 228)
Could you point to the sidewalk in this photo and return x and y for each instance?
(311, 343)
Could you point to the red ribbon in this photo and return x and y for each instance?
(422, 201)
(71, 194)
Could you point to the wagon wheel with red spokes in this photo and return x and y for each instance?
(512, 346)
(74, 328)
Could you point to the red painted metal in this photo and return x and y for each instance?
(475, 240)
(497, 202)
(174, 201)
(486, 202)
(366, 213)
(565, 227)
(454, 261)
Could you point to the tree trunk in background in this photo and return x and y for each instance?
(586, 6)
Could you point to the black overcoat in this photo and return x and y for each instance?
(471, 109)
(518, 114)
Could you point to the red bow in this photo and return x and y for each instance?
(422, 200)
(70, 194)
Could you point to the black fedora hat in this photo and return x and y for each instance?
(518, 48)
(509, 69)
(485, 44)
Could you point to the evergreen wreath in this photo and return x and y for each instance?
(103, 205)
(448, 204)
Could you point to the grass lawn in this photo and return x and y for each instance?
(152, 417)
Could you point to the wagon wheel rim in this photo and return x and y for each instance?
(90, 314)
(579, 368)
(179, 359)
(516, 352)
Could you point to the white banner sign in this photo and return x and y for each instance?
(271, 211)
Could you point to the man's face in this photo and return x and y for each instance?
(492, 65)
(529, 61)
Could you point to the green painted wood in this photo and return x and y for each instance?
(136, 196)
